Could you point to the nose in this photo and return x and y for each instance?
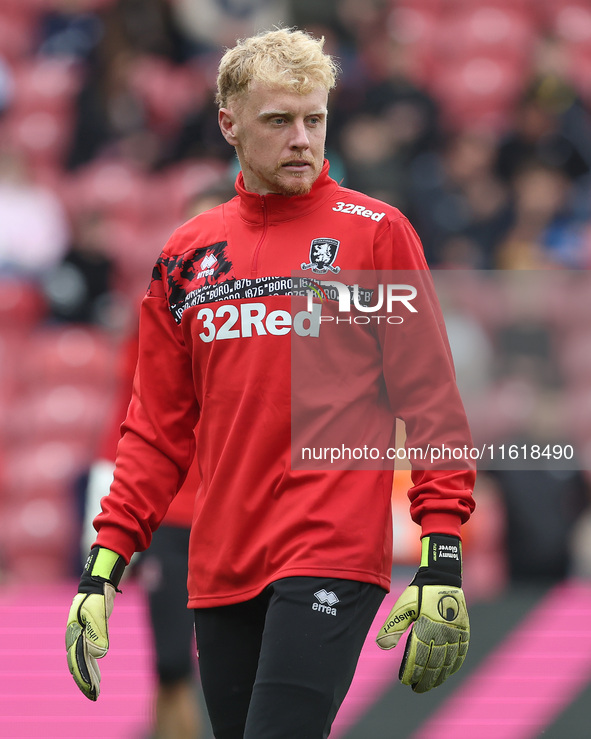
(299, 138)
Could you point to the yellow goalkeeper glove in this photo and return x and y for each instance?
(87, 633)
(434, 604)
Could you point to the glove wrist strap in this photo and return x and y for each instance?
(102, 566)
(441, 561)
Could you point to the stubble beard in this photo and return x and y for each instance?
(296, 183)
(281, 181)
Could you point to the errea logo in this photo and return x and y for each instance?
(326, 601)
(358, 210)
(207, 265)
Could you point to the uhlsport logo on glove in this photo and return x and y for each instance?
(400, 618)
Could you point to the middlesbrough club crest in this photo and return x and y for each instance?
(323, 252)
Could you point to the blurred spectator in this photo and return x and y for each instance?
(163, 568)
(471, 347)
(551, 125)
(541, 509)
(6, 86)
(218, 23)
(199, 136)
(34, 229)
(79, 288)
(553, 65)
(468, 209)
(524, 407)
(111, 114)
(545, 230)
(411, 111)
(394, 122)
(370, 158)
(147, 27)
(210, 197)
(364, 20)
(69, 28)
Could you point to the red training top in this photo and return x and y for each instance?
(231, 339)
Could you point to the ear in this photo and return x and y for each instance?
(227, 124)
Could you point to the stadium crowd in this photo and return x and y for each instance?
(472, 117)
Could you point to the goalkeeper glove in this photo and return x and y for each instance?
(87, 633)
(434, 604)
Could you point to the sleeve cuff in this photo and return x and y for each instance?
(117, 541)
(441, 523)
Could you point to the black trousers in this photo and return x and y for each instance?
(163, 575)
(279, 666)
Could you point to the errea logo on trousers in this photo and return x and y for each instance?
(326, 601)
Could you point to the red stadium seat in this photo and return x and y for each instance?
(135, 245)
(169, 92)
(16, 39)
(28, 488)
(187, 179)
(74, 354)
(414, 26)
(40, 118)
(106, 184)
(479, 91)
(531, 9)
(22, 305)
(485, 28)
(569, 20)
(411, 23)
(46, 84)
(12, 346)
(42, 135)
(480, 61)
(38, 539)
(44, 468)
(62, 412)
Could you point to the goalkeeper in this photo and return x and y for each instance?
(287, 566)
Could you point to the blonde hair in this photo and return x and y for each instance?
(286, 58)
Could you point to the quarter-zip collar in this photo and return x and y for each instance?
(273, 208)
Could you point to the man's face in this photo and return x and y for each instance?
(279, 137)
